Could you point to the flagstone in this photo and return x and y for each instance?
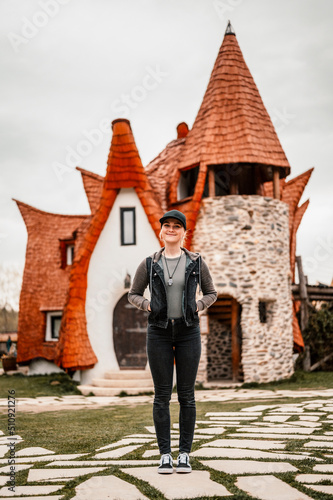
(313, 478)
(321, 444)
(239, 418)
(3, 450)
(31, 490)
(125, 441)
(321, 488)
(85, 463)
(48, 497)
(280, 430)
(153, 453)
(323, 468)
(305, 424)
(298, 414)
(3, 480)
(18, 467)
(49, 474)
(32, 451)
(118, 452)
(249, 466)
(148, 436)
(210, 430)
(270, 436)
(247, 443)
(232, 413)
(243, 453)
(310, 418)
(44, 458)
(107, 488)
(276, 418)
(269, 488)
(258, 408)
(173, 486)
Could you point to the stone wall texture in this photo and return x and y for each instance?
(245, 241)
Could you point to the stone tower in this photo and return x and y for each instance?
(229, 154)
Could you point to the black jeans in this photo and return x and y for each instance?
(182, 343)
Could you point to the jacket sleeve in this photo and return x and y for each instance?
(207, 287)
(140, 283)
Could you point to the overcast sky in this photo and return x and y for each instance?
(68, 67)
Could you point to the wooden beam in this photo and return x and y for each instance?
(276, 183)
(235, 347)
(211, 181)
(303, 294)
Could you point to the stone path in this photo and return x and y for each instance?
(270, 451)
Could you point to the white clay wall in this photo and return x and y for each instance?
(108, 267)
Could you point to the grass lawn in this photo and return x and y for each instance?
(85, 430)
(60, 384)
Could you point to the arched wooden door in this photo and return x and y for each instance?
(129, 335)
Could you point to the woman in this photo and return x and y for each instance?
(173, 274)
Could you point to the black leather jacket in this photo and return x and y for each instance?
(150, 272)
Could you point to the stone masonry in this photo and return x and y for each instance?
(245, 241)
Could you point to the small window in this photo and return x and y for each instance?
(262, 312)
(187, 182)
(53, 322)
(127, 226)
(69, 255)
(67, 252)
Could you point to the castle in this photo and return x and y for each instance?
(227, 174)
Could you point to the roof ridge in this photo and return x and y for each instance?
(43, 212)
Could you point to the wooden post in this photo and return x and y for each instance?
(303, 295)
(307, 359)
(235, 348)
(257, 180)
(276, 183)
(211, 181)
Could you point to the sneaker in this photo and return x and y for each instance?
(165, 466)
(183, 463)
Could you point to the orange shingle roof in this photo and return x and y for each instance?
(160, 170)
(291, 193)
(92, 184)
(232, 125)
(124, 169)
(45, 283)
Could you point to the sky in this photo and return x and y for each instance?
(70, 67)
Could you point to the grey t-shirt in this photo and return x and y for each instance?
(175, 291)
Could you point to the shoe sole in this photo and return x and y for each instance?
(183, 470)
(164, 471)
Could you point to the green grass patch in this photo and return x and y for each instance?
(300, 380)
(56, 384)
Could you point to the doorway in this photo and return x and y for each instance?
(129, 335)
(224, 341)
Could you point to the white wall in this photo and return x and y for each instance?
(108, 267)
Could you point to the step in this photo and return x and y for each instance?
(122, 384)
(127, 374)
(108, 391)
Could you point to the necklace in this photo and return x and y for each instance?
(170, 281)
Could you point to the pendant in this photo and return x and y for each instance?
(170, 282)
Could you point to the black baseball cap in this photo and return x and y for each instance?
(175, 214)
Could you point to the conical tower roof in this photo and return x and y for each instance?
(232, 125)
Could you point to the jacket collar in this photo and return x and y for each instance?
(192, 255)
